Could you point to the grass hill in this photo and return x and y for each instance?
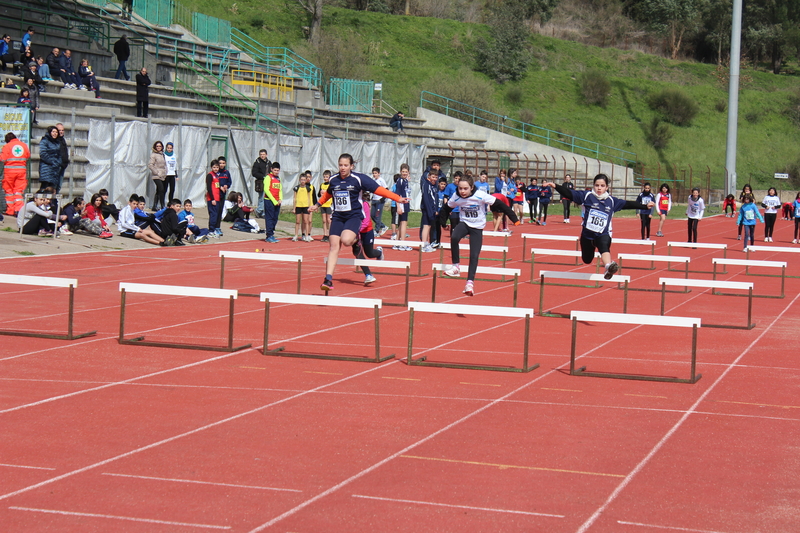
(411, 54)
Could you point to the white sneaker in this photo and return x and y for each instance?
(469, 289)
(308, 238)
(369, 279)
(64, 231)
(379, 249)
(566, 221)
(427, 248)
(295, 238)
(394, 236)
(770, 239)
(745, 250)
(794, 241)
(396, 247)
(454, 271)
(766, 239)
(81, 88)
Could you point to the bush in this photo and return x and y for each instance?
(595, 88)
(792, 110)
(528, 116)
(721, 106)
(753, 117)
(465, 87)
(659, 134)
(515, 95)
(676, 106)
(505, 56)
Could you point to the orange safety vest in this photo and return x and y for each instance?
(15, 154)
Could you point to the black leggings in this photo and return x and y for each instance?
(159, 197)
(475, 244)
(366, 250)
(741, 225)
(36, 224)
(797, 228)
(645, 225)
(601, 243)
(543, 211)
(769, 223)
(169, 184)
(566, 203)
(693, 222)
(533, 205)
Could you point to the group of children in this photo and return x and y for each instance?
(167, 227)
(42, 216)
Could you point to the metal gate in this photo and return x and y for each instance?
(354, 96)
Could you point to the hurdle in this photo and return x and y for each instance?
(372, 263)
(562, 253)
(747, 263)
(503, 272)
(777, 249)
(172, 290)
(39, 281)
(504, 234)
(597, 278)
(480, 310)
(258, 257)
(698, 245)
(639, 320)
(713, 285)
(331, 301)
(485, 248)
(653, 259)
(413, 244)
(568, 238)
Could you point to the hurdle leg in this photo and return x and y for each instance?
(504, 260)
(378, 358)
(533, 260)
(230, 323)
(516, 278)
(663, 296)
(783, 281)
(419, 262)
(625, 299)
(572, 350)
(408, 275)
(525, 367)
(222, 272)
(411, 335)
(695, 377)
(541, 296)
(433, 288)
(750, 325)
(299, 274)
(524, 239)
(121, 316)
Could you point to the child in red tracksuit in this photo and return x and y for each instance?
(730, 201)
(213, 200)
(363, 248)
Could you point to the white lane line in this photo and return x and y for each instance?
(671, 528)
(471, 508)
(25, 466)
(113, 517)
(176, 480)
(592, 519)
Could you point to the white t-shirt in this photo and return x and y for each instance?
(172, 164)
(472, 209)
(771, 204)
(695, 209)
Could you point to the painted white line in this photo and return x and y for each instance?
(592, 519)
(671, 528)
(200, 482)
(25, 466)
(113, 517)
(471, 508)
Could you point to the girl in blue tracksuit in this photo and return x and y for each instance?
(748, 214)
(796, 209)
(645, 197)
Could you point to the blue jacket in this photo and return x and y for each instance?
(49, 160)
(3, 47)
(748, 214)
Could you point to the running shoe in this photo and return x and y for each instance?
(543, 223)
(659, 234)
(370, 279)
(327, 285)
(271, 239)
(379, 249)
(106, 235)
(469, 289)
(794, 241)
(738, 237)
(745, 250)
(611, 269)
(435, 244)
(427, 248)
(454, 271)
(45, 233)
(65, 231)
(295, 238)
(325, 239)
(309, 239)
(408, 248)
(394, 236)
(201, 239)
(566, 221)
(396, 247)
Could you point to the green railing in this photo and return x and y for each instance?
(283, 59)
(46, 21)
(158, 12)
(529, 132)
(354, 96)
(211, 29)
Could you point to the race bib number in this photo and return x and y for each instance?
(597, 221)
(797, 211)
(341, 201)
(749, 215)
(470, 212)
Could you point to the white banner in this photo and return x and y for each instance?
(16, 120)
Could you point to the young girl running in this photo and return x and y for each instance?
(664, 203)
(348, 210)
(473, 204)
(600, 207)
(748, 214)
(645, 197)
(694, 211)
(796, 208)
(771, 204)
(746, 191)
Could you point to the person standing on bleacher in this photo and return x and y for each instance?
(142, 93)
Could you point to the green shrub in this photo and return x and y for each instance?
(676, 106)
(721, 106)
(515, 95)
(753, 117)
(595, 87)
(528, 116)
(659, 134)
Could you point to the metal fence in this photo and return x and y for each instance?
(284, 60)
(354, 96)
(211, 29)
(158, 12)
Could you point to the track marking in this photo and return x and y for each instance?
(471, 508)
(325, 373)
(128, 518)
(669, 527)
(562, 390)
(253, 367)
(507, 467)
(645, 395)
(478, 384)
(401, 379)
(176, 480)
(25, 466)
(759, 404)
(638, 468)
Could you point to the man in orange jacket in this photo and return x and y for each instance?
(15, 155)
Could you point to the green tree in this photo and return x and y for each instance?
(673, 18)
(505, 56)
(767, 29)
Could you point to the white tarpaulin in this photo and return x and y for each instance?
(133, 141)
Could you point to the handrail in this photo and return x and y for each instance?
(99, 32)
(564, 141)
(283, 58)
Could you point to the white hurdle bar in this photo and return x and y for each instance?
(329, 301)
(577, 254)
(173, 290)
(775, 249)
(639, 320)
(492, 271)
(258, 257)
(699, 246)
(480, 310)
(654, 259)
(568, 238)
(597, 278)
(713, 285)
(413, 244)
(485, 248)
(504, 234)
(747, 263)
(373, 263)
(40, 281)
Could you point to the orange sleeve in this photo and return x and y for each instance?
(386, 193)
(324, 198)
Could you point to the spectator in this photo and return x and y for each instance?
(68, 74)
(43, 69)
(64, 151)
(49, 159)
(273, 196)
(200, 235)
(72, 212)
(88, 78)
(14, 156)
(396, 122)
(26, 39)
(172, 170)
(259, 171)
(9, 84)
(126, 222)
(142, 93)
(158, 173)
(225, 179)
(7, 55)
(213, 200)
(92, 220)
(127, 9)
(378, 203)
(32, 73)
(33, 94)
(108, 209)
(24, 96)
(53, 65)
(172, 229)
(239, 214)
(123, 51)
(34, 219)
